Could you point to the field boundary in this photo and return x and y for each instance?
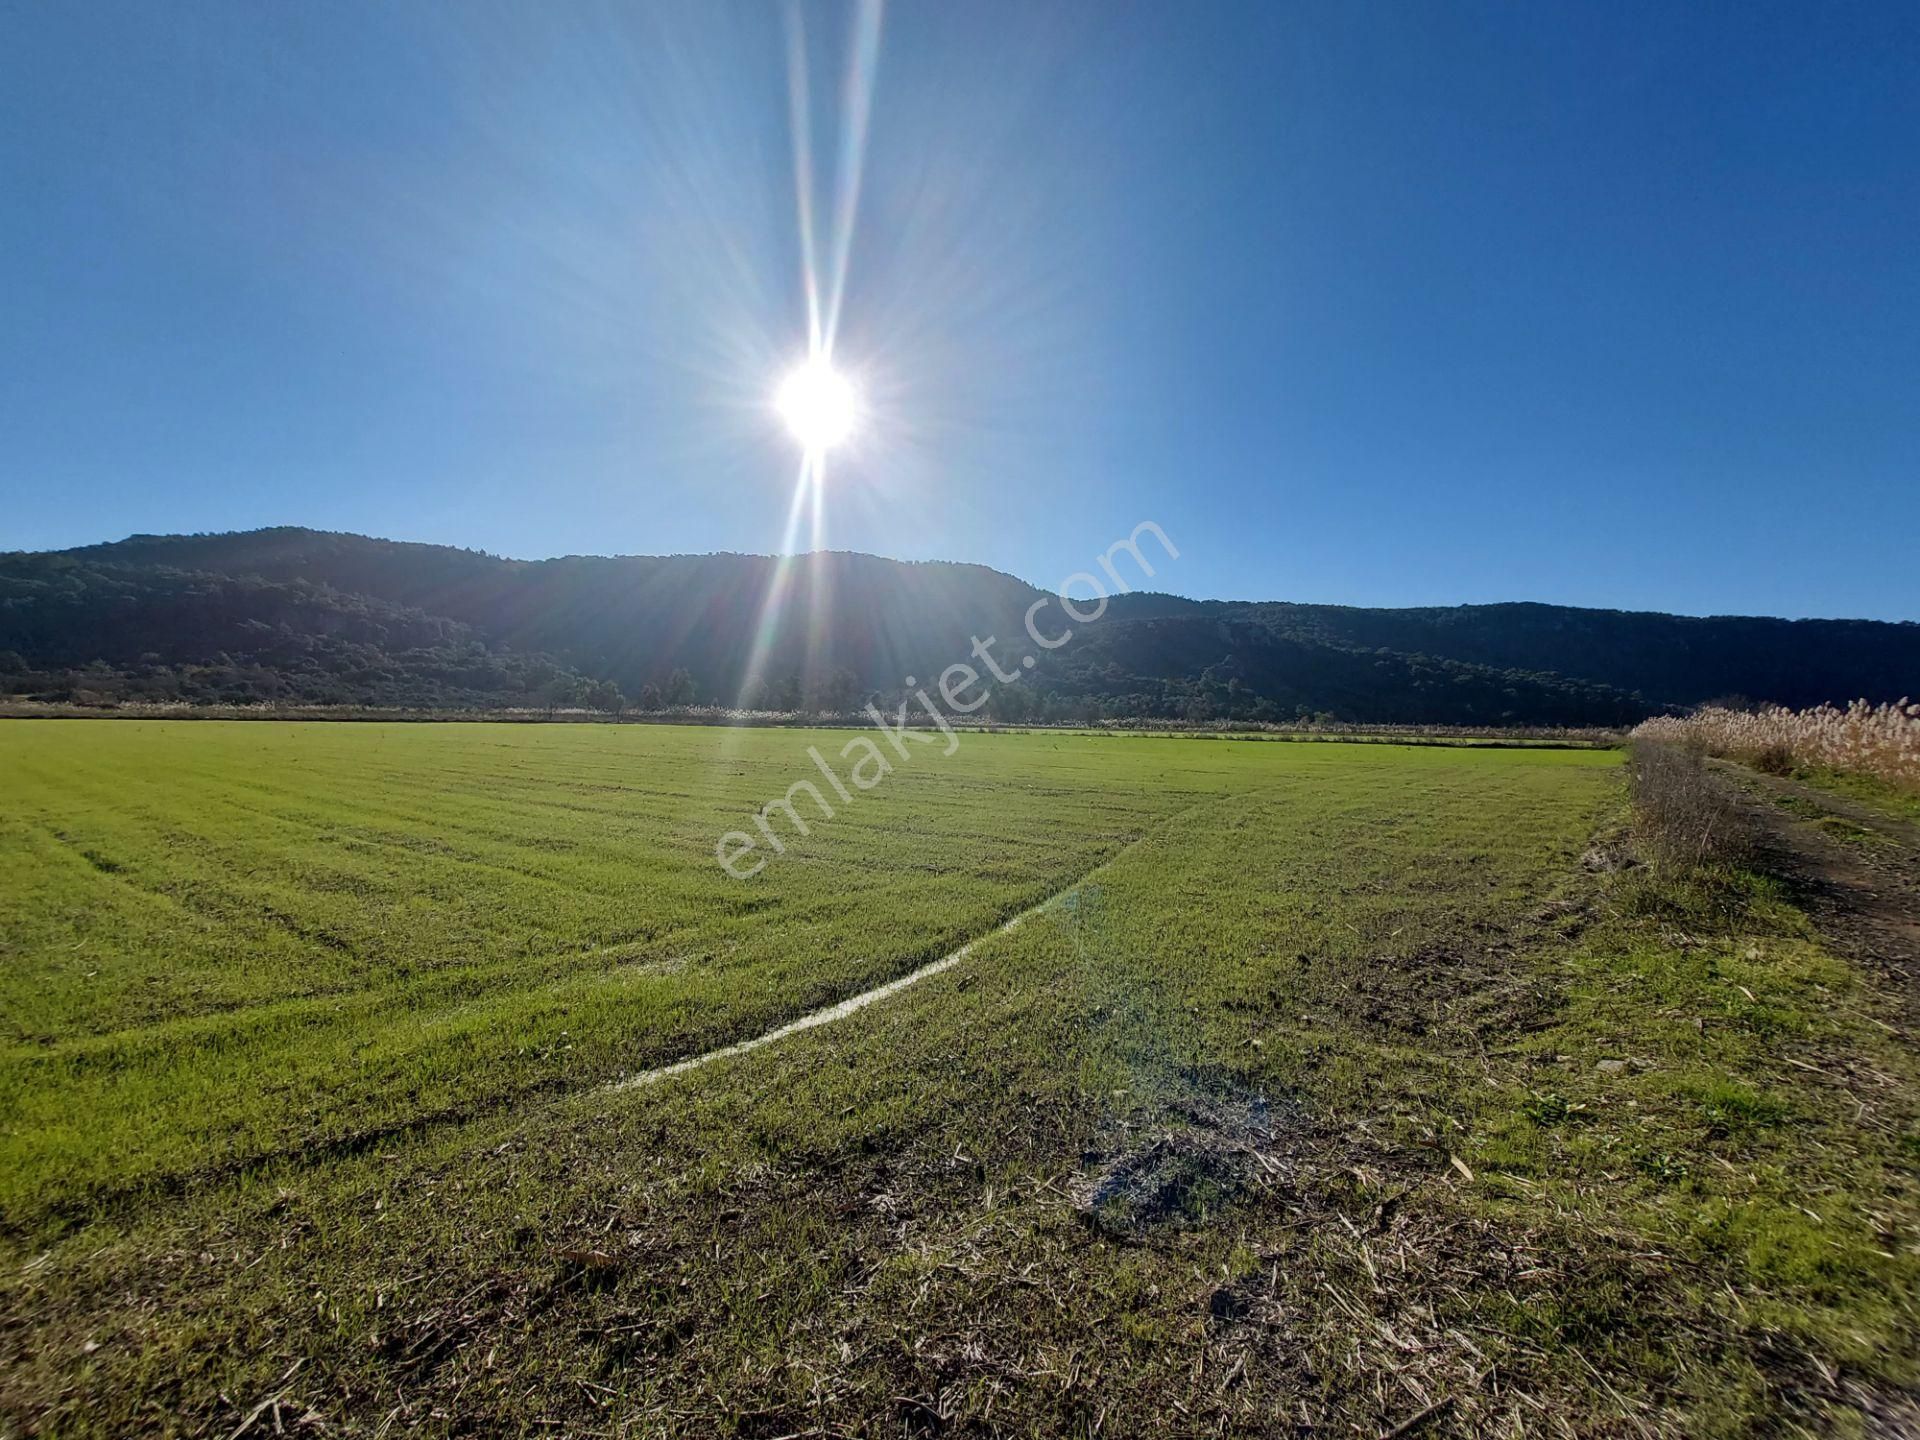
(1519, 737)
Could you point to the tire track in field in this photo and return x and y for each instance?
(826, 1015)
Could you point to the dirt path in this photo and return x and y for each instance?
(1800, 794)
(1855, 868)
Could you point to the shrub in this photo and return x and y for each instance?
(1685, 819)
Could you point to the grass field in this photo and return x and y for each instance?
(1331, 1090)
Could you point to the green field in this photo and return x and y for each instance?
(1288, 1108)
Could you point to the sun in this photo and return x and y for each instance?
(819, 405)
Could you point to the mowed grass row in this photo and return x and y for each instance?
(226, 941)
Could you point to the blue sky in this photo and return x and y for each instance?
(1395, 303)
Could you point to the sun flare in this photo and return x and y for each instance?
(819, 405)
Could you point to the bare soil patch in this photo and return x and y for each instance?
(1858, 880)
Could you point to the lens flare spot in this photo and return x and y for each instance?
(819, 405)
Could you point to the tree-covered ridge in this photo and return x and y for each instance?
(301, 615)
(79, 631)
(1670, 659)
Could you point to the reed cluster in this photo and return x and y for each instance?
(1878, 740)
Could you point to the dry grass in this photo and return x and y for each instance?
(1684, 820)
(1878, 740)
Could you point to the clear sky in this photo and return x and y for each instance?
(1392, 303)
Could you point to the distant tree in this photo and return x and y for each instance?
(680, 689)
(836, 693)
(541, 676)
(561, 691)
(650, 698)
(605, 695)
(1010, 704)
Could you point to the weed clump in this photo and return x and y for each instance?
(1686, 820)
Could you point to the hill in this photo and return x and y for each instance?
(295, 614)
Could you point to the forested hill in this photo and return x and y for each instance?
(293, 614)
